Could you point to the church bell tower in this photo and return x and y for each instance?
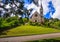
(41, 13)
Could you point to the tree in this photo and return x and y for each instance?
(15, 7)
(19, 8)
(0, 13)
(27, 12)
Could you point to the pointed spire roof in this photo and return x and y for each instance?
(41, 4)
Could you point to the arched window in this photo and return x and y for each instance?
(36, 15)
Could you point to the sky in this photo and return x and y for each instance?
(50, 7)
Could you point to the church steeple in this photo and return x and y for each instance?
(41, 13)
(41, 8)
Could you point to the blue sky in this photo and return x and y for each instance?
(28, 1)
(51, 10)
(51, 7)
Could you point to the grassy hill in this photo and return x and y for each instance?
(28, 30)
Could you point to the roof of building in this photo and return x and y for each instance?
(34, 11)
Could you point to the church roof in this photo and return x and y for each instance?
(34, 11)
(37, 10)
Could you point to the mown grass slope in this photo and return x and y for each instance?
(29, 30)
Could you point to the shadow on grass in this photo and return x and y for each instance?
(5, 29)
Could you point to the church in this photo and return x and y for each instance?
(38, 17)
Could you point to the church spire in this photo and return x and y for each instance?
(41, 13)
(41, 5)
(41, 8)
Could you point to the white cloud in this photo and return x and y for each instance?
(44, 3)
(1, 4)
(56, 4)
(57, 13)
(32, 5)
(26, 5)
(45, 6)
(7, 6)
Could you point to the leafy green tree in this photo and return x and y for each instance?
(15, 7)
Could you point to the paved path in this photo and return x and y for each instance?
(28, 38)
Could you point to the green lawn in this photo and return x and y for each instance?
(28, 30)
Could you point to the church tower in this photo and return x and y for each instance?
(41, 13)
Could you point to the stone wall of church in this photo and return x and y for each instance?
(35, 17)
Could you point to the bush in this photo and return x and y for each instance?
(56, 24)
(53, 23)
(21, 21)
(14, 23)
(25, 20)
(3, 24)
(34, 23)
(11, 19)
(9, 23)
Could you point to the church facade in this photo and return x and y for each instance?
(38, 17)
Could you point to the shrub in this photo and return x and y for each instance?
(34, 23)
(25, 20)
(8, 23)
(14, 23)
(11, 19)
(56, 24)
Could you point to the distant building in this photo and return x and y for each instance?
(38, 17)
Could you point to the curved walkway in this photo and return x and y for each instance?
(28, 38)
